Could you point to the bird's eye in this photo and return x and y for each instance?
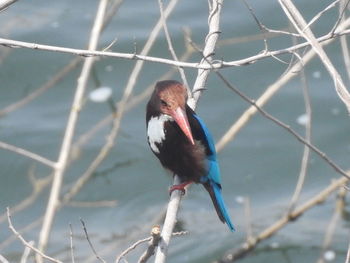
(163, 102)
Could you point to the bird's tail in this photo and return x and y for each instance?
(214, 191)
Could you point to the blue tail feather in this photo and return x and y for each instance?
(212, 181)
(222, 206)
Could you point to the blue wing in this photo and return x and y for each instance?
(212, 181)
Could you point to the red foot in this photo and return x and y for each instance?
(180, 187)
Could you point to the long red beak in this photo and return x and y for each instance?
(180, 117)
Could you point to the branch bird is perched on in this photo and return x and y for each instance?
(182, 143)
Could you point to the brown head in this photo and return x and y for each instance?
(170, 97)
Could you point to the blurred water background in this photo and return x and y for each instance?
(262, 162)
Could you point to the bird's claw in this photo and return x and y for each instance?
(179, 187)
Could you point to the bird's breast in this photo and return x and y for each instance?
(156, 131)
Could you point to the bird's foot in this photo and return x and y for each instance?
(180, 187)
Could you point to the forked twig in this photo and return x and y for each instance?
(26, 252)
(300, 25)
(27, 244)
(155, 233)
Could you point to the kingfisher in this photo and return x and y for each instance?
(183, 144)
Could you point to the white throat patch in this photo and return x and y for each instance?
(155, 130)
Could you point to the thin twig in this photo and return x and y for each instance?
(155, 233)
(260, 25)
(89, 241)
(132, 56)
(26, 252)
(267, 95)
(132, 247)
(24, 229)
(306, 152)
(284, 126)
(27, 244)
(341, 16)
(170, 44)
(28, 154)
(300, 25)
(317, 16)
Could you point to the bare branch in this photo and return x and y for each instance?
(26, 252)
(153, 239)
(132, 56)
(306, 153)
(155, 233)
(6, 3)
(285, 126)
(28, 154)
(169, 223)
(69, 132)
(3, 259)
(208, 51)
(122, 106)
(132, 247)
(279, 224)
(261, 26)
(24, 229)
(316, 17)
(170, 45)
(27, 244)
(175, 198)
(343, 7)
(90, 244)
(267, 95)
(299, 23)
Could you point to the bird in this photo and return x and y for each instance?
(183, 144)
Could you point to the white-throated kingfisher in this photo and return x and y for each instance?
(182, 142)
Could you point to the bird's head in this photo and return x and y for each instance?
(170, 98)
